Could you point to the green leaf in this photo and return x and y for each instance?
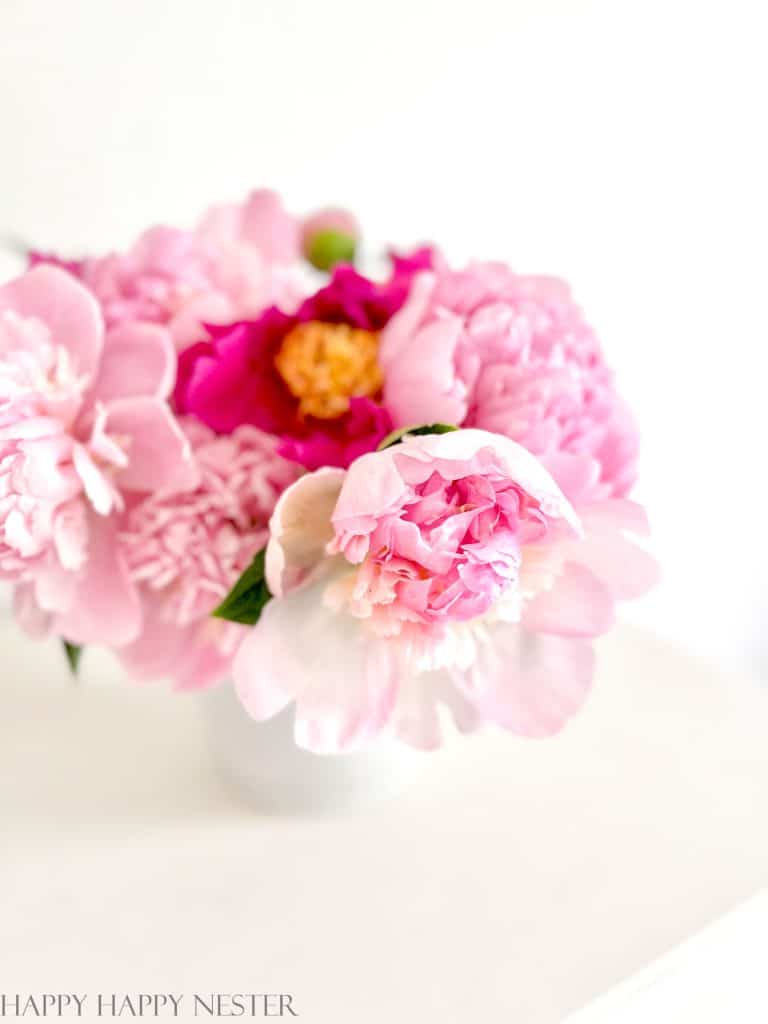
(429, 428)
(246, 600)
(74, 653)
(327, 248)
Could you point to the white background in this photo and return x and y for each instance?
(618, 144)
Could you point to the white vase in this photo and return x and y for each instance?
(263, 762)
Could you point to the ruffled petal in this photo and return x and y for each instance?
(96, 485)
(34, 620)
(70, 312)
(373, 487)
(267, 225)
(340, 676)
(615, 514)
(529, 683)
(577, 605)
(625, 569)
(300, 529)
(105, 608)
(192, 656)
(421, 384)
(416, 719)
(138, 359)
(577, 476)
(159, 454)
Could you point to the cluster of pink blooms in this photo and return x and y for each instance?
(169, 412)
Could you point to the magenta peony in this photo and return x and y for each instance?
(312, 378)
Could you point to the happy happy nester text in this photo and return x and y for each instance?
(147, 1005)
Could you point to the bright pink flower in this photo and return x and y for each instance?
(184, 551)
(341, 441)
(311, 377)
(512, 354)
(83, 421)
(241, 259)
(449, 569)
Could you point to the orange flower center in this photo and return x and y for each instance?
(324, 365)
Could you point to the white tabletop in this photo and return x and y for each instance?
(512, 882)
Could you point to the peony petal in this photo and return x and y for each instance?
(622, 566)
(106, 609)
(206, 308)
(396, 338)
(266, 224)
(339, 674)
(159, 644)
(416, 718)
(96, 484)
(300, 529)
(615, 514)
(220, 224)
(421, 384)
(530, 684)
(373, 485)
(138, 359)
(55, 587)
(34, 620)
(578, 476)
(261, 685)
(70, 312)
(463, 446)
(624, 569)
(577, 605)
(191, 655)
(159, 454)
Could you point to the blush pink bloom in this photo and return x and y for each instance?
(184, 551)
(485, 347)
(83, 422)
(240, 259)
(447, 570)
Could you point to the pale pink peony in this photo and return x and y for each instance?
(241, 259)
(83, 422)
(184, 551)
(449, 569)
(485, 347)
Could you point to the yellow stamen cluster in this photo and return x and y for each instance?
(324, 365)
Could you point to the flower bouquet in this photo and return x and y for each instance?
(398, 504)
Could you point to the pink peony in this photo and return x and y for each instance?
(484, 347)
(83, 422)
(241, 259)
(449, 569)
(312, 378)
(184, 551)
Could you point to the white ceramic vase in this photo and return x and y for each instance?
(263, 762)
